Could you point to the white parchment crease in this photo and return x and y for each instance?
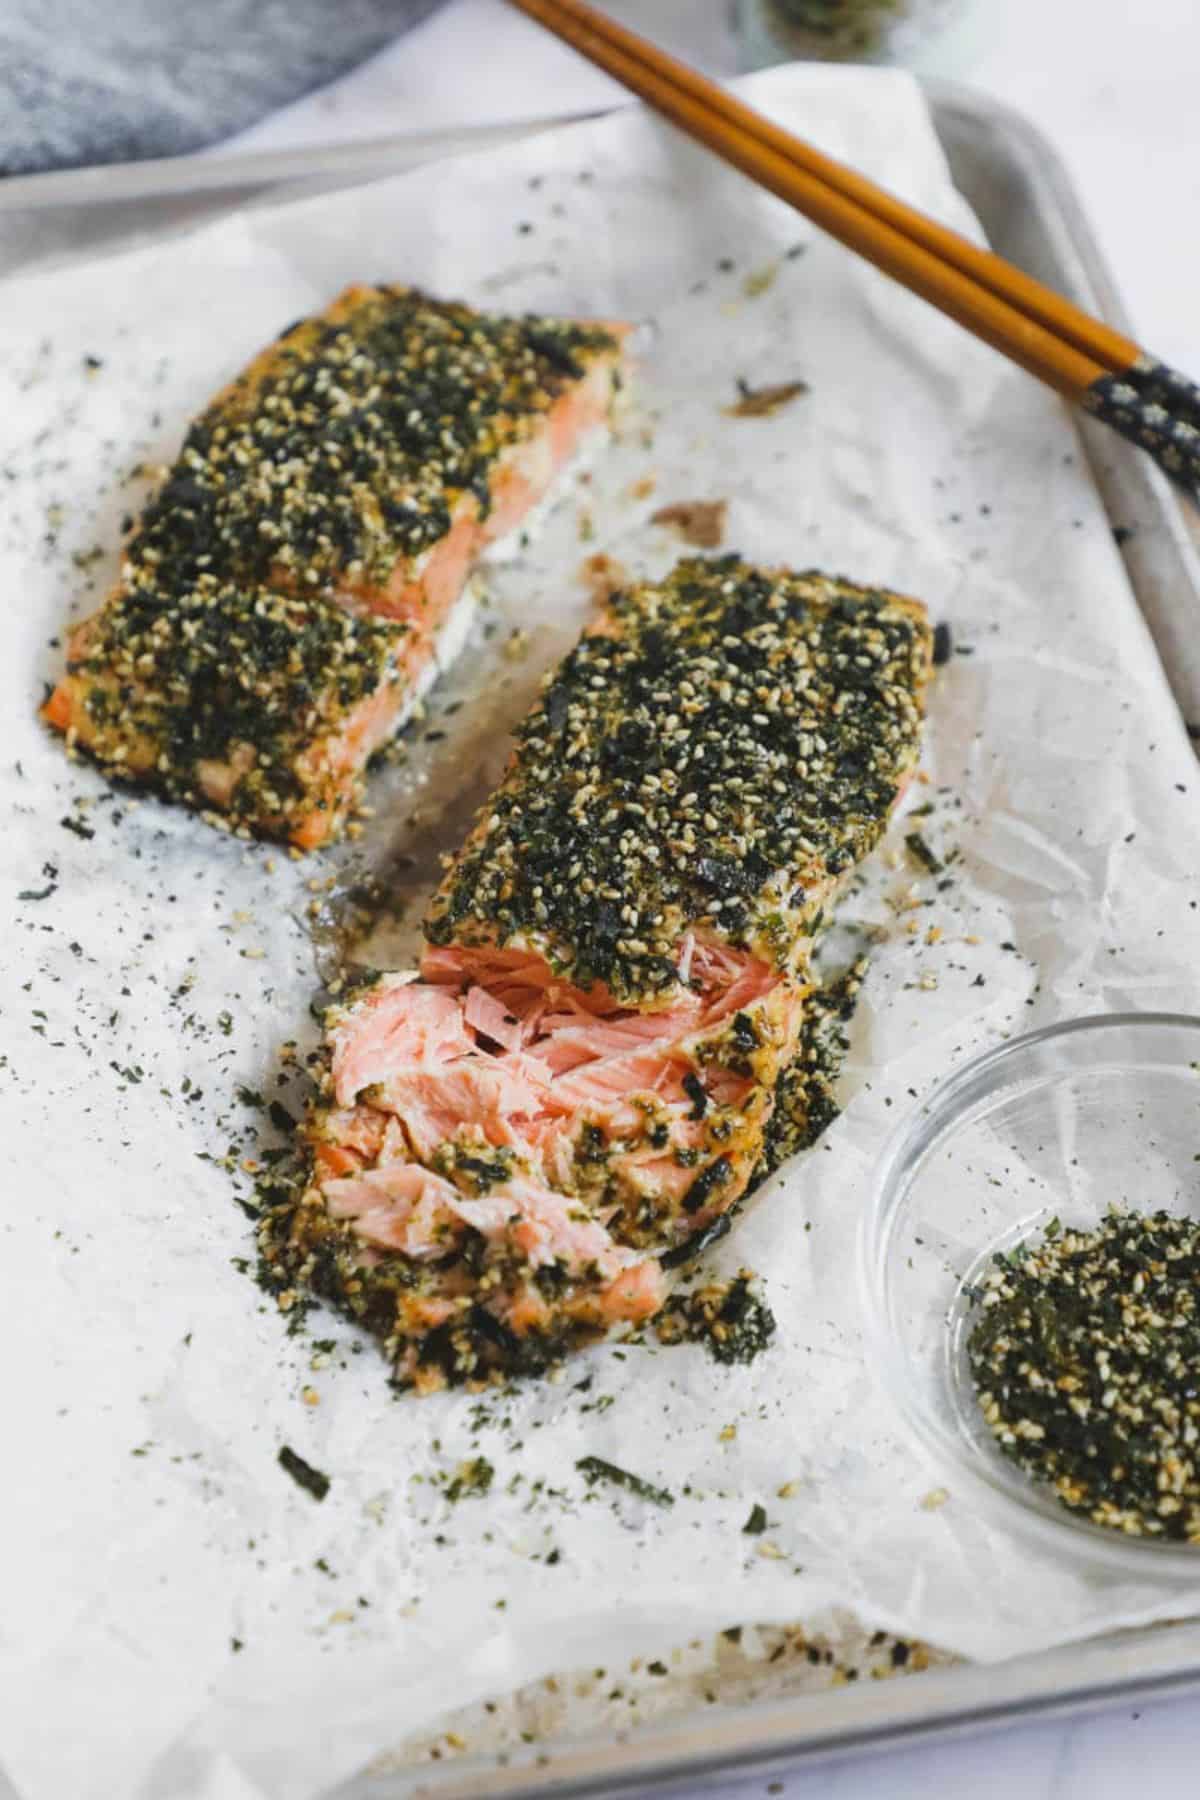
(177, 1618)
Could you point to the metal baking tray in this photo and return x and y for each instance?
(1021, 194)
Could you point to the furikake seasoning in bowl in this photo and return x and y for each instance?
(1030, 1278)
(1085, 1354)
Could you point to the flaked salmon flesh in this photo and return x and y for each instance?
(568, 1075)
(514, 1134)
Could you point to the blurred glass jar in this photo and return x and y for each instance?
(878, 31)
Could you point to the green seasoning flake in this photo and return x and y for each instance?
(595, 1468)
(756, 1524)
(706, 1184)
(920, 849)
(303, 1474)
(280, 1117)
(1084, 1354)
(471, 1478)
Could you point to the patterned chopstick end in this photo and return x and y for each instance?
(1154, 408)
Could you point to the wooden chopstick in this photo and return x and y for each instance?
(1068, 321)
(1089, 362)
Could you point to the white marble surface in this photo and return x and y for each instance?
(1115, 87)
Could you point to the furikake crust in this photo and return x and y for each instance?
(221, 666)
(302, 1249)
(805, 1091)
(1084, 1354)
(804, 1103)
(729, 746)
(340, 450)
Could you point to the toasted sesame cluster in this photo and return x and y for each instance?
(717, 754)
(272, 614)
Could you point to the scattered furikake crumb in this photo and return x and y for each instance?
(920, 849)
(943, 644)
(727, 1317)
(1084, 1356)
(756, 1524)
(303, 1474)
(596, 1468)
(698, 522)
(760, 403)
(43, 893)
(471, 1478)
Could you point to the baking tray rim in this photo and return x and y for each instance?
(1139, 1664)
(755, 1738)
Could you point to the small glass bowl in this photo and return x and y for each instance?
(1060, 1124)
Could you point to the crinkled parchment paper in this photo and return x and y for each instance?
(177, 1617)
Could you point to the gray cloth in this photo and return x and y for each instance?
(99, 81)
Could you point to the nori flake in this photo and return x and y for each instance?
(313, 1481)
(596, 1468)
(920, 849)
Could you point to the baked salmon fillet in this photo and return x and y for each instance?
(513, 1140)
(285, 597)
